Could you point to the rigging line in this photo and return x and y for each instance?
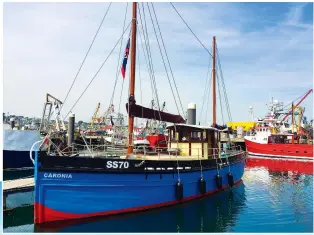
(85, 56)
(163, 61)
(223, 85)
(146, 57)
(150, 66)
(146, 40)
(220, 100)
(146, 61)
(205, 90)
(148, 46)
(98, 70)
(121, 96)
(208, 98)
(191, 30)
(153, 76)
(139, 75)
(119, 57)
(119, 108)
(167, 58)
(153, 79)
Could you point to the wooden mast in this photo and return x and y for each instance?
(132, 77)
(214, 80)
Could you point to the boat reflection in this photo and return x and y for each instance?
(297, 167)
(215, 213)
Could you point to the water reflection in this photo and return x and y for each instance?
(287, 189)
(275, 197)
(215, 213)
(284, 166)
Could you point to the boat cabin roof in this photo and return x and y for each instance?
(196, 127)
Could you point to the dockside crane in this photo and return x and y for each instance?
(303, 98)
(95, 117)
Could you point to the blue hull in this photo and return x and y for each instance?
(212, 213)
(73, 195)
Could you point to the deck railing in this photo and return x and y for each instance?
(108, 151)
(115, 150)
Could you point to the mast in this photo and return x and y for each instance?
(214, 80)
(132, 77)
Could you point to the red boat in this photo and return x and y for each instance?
(278, 146)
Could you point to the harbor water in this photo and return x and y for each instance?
(270, 199)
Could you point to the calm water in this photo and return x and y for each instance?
(270, 199)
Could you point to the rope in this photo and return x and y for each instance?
(191, 30)
(220, 100)
(86, 56)
(224, 92)
(147, 62)
(201, 167)
(175, 130)
(208, 98)
(146, 56)
(217, 165)
(223, 85)
(150, 58)
(119, 57)
(167, 58)
(163, 62)
(117, 76)
(207, 80)
(97, 72)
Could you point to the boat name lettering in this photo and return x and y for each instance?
(117, 164)
(58, 175)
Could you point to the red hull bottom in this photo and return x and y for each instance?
(53, 215)
(294, 152)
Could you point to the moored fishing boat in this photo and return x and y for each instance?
(279, 146)
(73, 185)
(16, 146)
(266, 143)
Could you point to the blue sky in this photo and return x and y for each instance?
(266, 49)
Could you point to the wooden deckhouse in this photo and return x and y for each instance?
(194, 140)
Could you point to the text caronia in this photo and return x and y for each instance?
(58, 175)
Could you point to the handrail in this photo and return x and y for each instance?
(107, 150)
(87, 146)
(31, 150)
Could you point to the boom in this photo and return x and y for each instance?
(303, 98)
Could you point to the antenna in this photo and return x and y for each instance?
(251, 113)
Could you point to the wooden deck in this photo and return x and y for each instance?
(18, 185)
(237, 140)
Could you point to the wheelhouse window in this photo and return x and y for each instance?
(190, 134)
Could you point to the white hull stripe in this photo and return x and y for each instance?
(269, 156)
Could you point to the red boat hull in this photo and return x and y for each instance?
(296, 152)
